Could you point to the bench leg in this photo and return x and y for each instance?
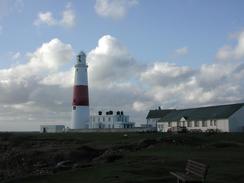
(179, 181)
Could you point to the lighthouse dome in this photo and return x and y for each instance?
(81, 57)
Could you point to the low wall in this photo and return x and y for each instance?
(112, 130)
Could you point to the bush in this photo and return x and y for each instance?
(196, 131)
(213, 131)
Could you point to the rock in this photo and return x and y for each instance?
(110, 156)
(63, 165)
(146, 143)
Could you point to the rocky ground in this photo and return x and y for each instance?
(116, 157)
(25, 155)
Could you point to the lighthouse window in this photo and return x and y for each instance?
(74, 107)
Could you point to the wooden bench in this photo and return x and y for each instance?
(194, 172)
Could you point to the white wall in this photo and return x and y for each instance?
(102, 121)
(236, 121)
(80, 117)
(221, 124)
(81, 75)
(152, 122)
(52, 128)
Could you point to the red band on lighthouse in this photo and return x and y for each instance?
(80, 96)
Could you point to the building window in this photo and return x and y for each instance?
(197, 124)
(204, 123)
(103, 119)
(98, 119)
(169, 124)
(211, 122)
(100, 125)
(215, 122)
(184, 123)
(161, 126)
(189, 124)
(74, 107)
(109, 119)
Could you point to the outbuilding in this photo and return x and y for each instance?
(52, 128)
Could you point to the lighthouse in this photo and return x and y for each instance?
(80, 103)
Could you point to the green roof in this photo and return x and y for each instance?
(158, 113)
(203, 113)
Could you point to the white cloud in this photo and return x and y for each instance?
(42, 87)
(25, 88)
(110, 62)
(63, 79)
(25, 77)
(115, 9)
(45, 18)
(139, 106)
(67, 20)
(232, 52)
(181, 51)
(16, 56)
(51, 55)
(161, 72)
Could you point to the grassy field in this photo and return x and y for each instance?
(137, 158)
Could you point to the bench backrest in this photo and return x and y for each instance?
(197, 169)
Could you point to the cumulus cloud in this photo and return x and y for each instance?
(24, 88)
(62, 79)
(139, 106)
(40, 91)
(67, 20)
(114, 9)
(232, 52)
(110, 62)
(45, 18)
(112, 67)
(161, 72)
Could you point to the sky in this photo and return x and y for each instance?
(141, 54)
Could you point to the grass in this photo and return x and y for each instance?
(224, 153)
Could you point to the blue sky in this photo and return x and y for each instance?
(143, 53)
(150, 30)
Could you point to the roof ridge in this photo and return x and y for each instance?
(212, 106)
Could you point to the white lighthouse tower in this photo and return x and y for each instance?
(80, 104)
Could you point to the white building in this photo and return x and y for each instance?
(52, 128)
(226, 118)
(110, 120)
(155, 115)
